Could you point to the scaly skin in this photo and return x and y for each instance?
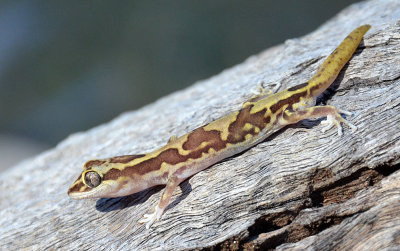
(189, 154)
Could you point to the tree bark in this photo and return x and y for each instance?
(299, 189)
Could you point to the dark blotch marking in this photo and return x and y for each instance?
(267, 119)
(289, 101)
(275, 107)
(237, 133)
(125, 158)
(296, 87)
(198, 136)
(218, 145)
(91, 163)
(195, 138)
(114, 173)
(235, 128)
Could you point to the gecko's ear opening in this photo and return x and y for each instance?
(91, 178)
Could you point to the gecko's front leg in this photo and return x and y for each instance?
(172, 183)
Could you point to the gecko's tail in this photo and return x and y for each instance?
(333, 64)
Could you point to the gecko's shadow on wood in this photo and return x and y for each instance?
(111, 204)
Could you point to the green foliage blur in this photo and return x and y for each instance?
(66, 66)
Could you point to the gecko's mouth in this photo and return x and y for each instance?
(80, 191)
(84, 195)
(77, 196)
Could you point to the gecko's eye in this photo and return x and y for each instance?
(92, 179)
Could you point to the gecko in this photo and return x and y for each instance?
(184, 156)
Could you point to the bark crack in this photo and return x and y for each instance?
(270, 231)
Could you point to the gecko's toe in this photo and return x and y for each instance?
(149, 219)
(329, 123)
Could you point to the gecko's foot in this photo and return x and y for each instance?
(331, 121)
(149, 219)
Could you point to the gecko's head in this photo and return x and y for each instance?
(106, 178)
(91, 183)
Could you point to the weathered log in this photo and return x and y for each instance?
(299, 189)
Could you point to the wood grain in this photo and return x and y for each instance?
(298, 190)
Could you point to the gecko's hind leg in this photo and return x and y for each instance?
(332, 113)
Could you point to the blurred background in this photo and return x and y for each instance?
(67, 66)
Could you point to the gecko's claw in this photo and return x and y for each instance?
(353, 127)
